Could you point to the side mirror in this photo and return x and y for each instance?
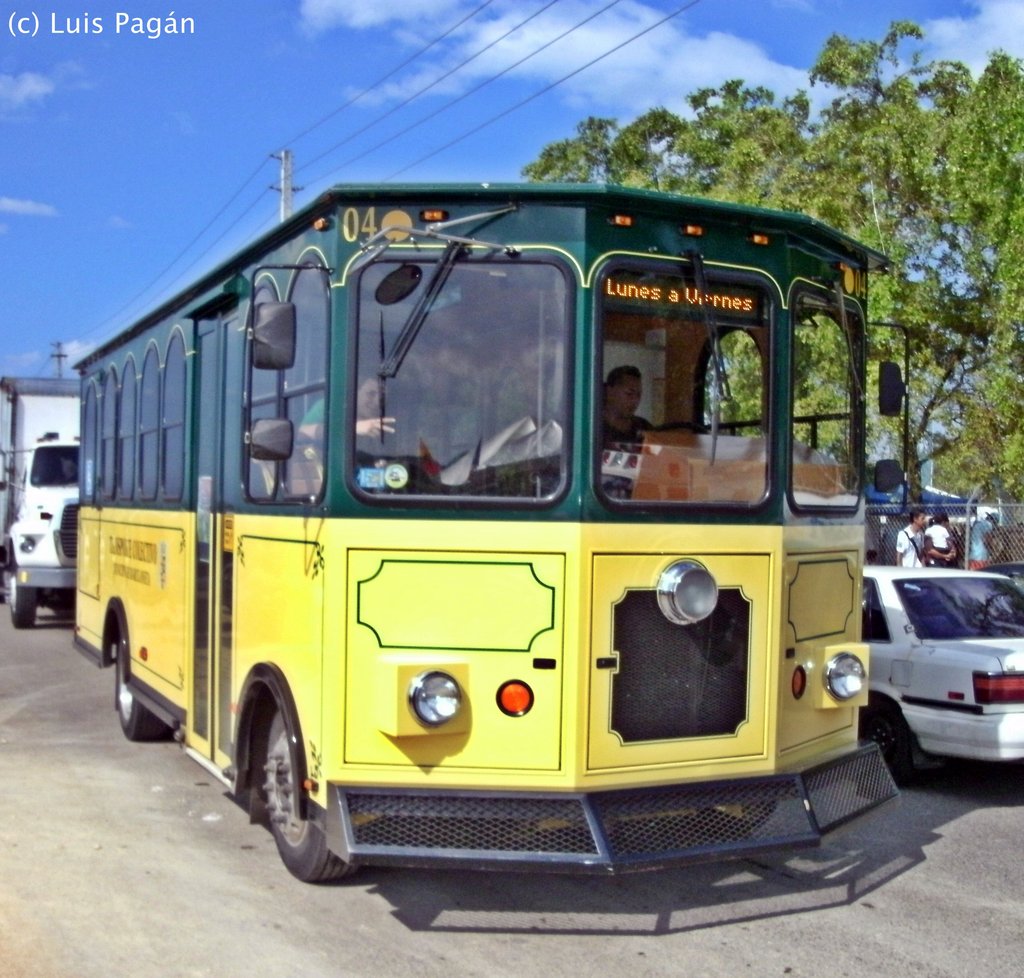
(273, 336)
(891, 390)
(888, 475)
(270, 440)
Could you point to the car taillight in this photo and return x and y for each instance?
(999, 688)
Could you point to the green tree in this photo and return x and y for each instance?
(912, 157)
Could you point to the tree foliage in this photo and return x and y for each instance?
(915, 158)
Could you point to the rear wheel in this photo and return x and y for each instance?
(137, 722)
(301, 843)
(23, 601)
(882, 721)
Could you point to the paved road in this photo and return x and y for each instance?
(120, 859)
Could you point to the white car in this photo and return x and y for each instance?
(946, 677)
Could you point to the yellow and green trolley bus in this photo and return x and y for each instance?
(496, 525)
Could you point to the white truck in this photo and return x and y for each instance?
(39, 426)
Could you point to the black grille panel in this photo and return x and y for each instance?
(478, 823)
(704, 818)
(613, 830)
(678, 681)
(68, 533)
(839, 791)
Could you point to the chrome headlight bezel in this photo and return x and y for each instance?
(687, 592)
(845, 676)
(435, 698)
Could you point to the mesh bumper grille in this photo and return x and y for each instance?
(614, 830)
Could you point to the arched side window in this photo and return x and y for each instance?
(108, 437)
(90, 444)
(126, 429)
(149, 425)
(305, 383)
(173, 455)
(262, 476)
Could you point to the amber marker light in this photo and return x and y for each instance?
(432, 216)
(760, 239)
(322, 224)
(692, 230)
(798, 683)
(515, 698)
(621, 220)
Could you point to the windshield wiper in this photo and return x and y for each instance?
(720, 386)
(407, 335)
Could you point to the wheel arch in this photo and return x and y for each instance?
(115, 622)
(264, 692)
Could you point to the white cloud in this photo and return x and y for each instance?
(996, 25)
(322, 15)
(26, 208)
(19, 90)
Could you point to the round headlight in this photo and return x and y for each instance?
(687, 593)
(844, 676)
(435, 698)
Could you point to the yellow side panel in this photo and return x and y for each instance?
(147, 564)
(822, 612)
(279, 610)
(88, 609)
(484, 618)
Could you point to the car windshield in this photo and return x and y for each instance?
(963, 607)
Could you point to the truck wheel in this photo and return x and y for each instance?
(23, 601)
(300, 842)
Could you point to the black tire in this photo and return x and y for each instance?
(882, 721)
(137, 722)
(23, 601)
(301, 843)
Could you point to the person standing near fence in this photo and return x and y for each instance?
(910, 541)
(940, 548)
(979, 555)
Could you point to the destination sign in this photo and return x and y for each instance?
(663, 293)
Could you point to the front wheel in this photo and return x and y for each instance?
(301, 843)
(882, 721)
(23, 601)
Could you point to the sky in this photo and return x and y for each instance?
(139, 142)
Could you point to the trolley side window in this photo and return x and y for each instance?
(682, 406)
(826, 384)
(461, 386)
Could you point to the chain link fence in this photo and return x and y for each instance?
(1005, 542)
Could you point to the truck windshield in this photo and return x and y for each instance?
(54, 465)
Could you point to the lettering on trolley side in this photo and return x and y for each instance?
(137, 560)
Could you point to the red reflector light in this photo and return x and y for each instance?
(515, 698)
(798, 684)
(1001, 688)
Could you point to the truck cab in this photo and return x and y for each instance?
(40, 548)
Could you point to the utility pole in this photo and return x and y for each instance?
(285, 188)
(60, 356)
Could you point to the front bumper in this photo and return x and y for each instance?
(610, 831)
(45, 577)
